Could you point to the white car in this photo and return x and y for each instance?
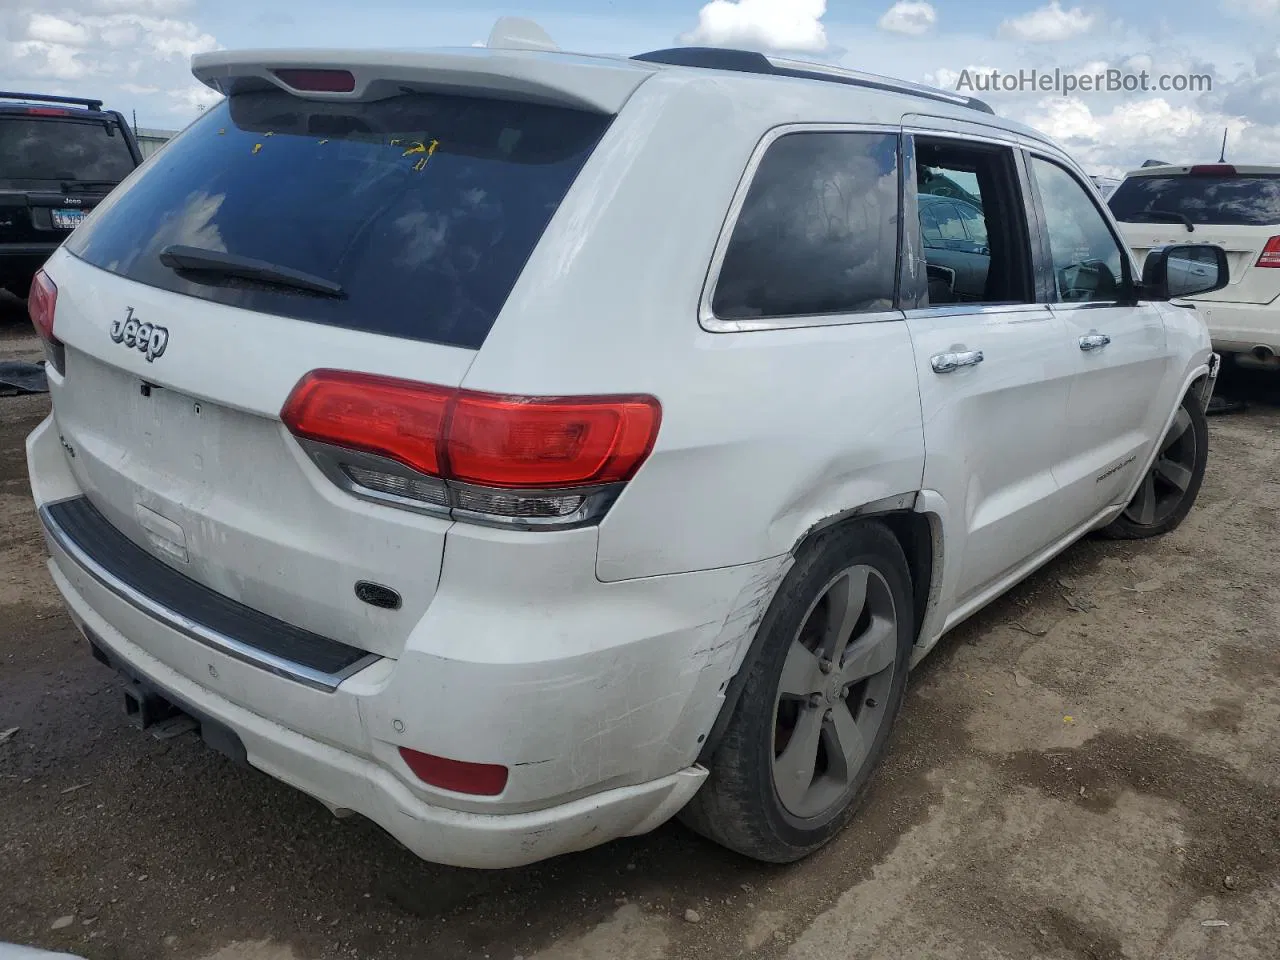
(1234, 207)
(519, 448)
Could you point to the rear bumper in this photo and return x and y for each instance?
(596, 702)
(1240, 327)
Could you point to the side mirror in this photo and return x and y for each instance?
(1184, 270)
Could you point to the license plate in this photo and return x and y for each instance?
(67, 219)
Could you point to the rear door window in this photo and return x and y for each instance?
(1247, 201)
(47, 148)
(423, 208)
(818, 232)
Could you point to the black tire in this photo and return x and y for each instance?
(1130, 525)
(739, 805)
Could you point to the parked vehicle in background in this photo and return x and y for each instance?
(59, 157)
(400, 440)
(1106, 185)
(1235, 207)
(954, 234)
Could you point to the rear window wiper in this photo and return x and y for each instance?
(1167, 215)
(217, 263)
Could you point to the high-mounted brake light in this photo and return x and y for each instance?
(318, 81)
(1270, 254)
(47, 112)
(1213, 170)
(533, 460)
(477, 779)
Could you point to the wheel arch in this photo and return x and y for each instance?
(919, 534)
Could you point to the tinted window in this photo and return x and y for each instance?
(423, 208)
(818, 232)
(33, 148)
(1087, 260)
(1252, 201)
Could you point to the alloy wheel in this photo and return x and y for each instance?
(1166, 483)
(833, 693)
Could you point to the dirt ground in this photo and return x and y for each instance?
(1088, 770)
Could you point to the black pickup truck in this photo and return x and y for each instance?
(59, 157)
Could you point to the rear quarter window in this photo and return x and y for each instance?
(818, 231)
(1252, 201)
(424, 208)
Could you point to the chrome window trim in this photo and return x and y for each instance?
(707, 318)
(976, 309)
(280, 667)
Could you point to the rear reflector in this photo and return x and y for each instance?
(477, 779)
(1270, 254)
(318, 81)
(1213, 170)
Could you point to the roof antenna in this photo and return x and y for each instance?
(517, 33)
(1222, 158)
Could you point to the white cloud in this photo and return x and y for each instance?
(790, 25)
(44, 28)
(132, 53)
(1258, 9)
(912, 17)
(1111, 141)
(1049, 24)
(155, 7)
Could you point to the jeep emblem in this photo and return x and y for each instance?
(148, 338)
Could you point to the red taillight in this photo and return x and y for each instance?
(47, 112)
(477, 779)
(1213, 170)
(477, 438)
(1270, 254)
(42, 301)
(318, 81)
(515, 442)
(398, 419)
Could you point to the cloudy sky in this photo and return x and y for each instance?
(135, 53)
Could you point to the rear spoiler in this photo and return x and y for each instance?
(595, 84)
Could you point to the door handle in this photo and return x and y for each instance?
(946, 362)
(1094, 341)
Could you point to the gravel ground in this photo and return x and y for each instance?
(1089, 769)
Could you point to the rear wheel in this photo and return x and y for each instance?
(818, 702)
(1170, 488)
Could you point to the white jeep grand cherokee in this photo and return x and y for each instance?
(519, 448)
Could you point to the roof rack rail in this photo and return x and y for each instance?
(747, 61)
(46, 98)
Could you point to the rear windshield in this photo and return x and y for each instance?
(423, 208)
(33, 148)
(1249, 201)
